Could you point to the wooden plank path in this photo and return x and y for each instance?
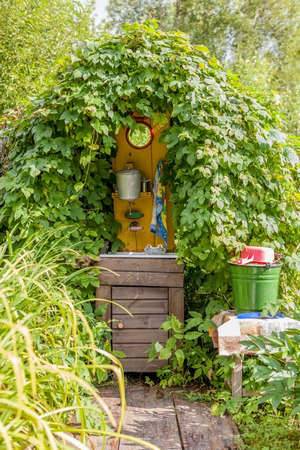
(167, 420)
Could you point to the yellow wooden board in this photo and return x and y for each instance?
(135, 241)
(145, 160)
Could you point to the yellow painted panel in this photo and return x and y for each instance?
(142, 158)
(146, 161)
(158, 149)
(134, 241)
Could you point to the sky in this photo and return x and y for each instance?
(100, 9)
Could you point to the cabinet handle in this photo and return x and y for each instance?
(120, 325)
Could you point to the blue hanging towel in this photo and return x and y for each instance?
(159, 213)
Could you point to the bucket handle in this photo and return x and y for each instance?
(277, 259)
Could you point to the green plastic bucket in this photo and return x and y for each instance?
(254, 286)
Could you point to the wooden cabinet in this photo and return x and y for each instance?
(150, 288)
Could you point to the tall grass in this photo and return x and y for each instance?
(48, 355)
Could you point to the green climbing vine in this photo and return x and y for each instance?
(228, 165)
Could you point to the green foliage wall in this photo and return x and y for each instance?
(227, 166)
(257, 39)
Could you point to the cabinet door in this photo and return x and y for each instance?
(133, 334)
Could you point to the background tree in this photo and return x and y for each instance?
(259, 40)
(35, 37)
(130, 11)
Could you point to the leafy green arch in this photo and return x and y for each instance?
(228, 168)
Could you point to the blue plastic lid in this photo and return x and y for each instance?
(249, 315)
(257, 315)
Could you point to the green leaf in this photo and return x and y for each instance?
(101, 128)
(171, 343)
(191, 335)
(27, 191)
(158, 347)
(165, 353)
(295, 410)
(34, 171)
(78, 186)
(193, 323)
(41, 131)
(100, 310)
(202, 49)
(180, 357)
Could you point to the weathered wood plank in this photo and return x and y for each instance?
(120, 293)
(142, 279)
(121, 321)
(138, 336)
(142, 306)
(111, 397)
(169, 422)
(176, 303)
(97, 443)
(151, 418)
(200, 430)
(141, 265)
(133, 350)
(104, 292)
(141, 365)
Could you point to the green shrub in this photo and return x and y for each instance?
(258, 425)
(275, 371)
(190, 354)
(229, 167)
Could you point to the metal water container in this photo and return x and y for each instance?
(129, 184)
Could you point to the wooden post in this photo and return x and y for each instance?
(237, 377)
(104, 292)
(176, 303)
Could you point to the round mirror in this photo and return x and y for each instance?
(140, 136)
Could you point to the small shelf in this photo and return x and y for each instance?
(142, 195)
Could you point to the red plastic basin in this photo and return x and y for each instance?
(258, 255)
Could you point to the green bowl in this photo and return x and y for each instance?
(134, 215)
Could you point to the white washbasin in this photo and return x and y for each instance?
(137, 255)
